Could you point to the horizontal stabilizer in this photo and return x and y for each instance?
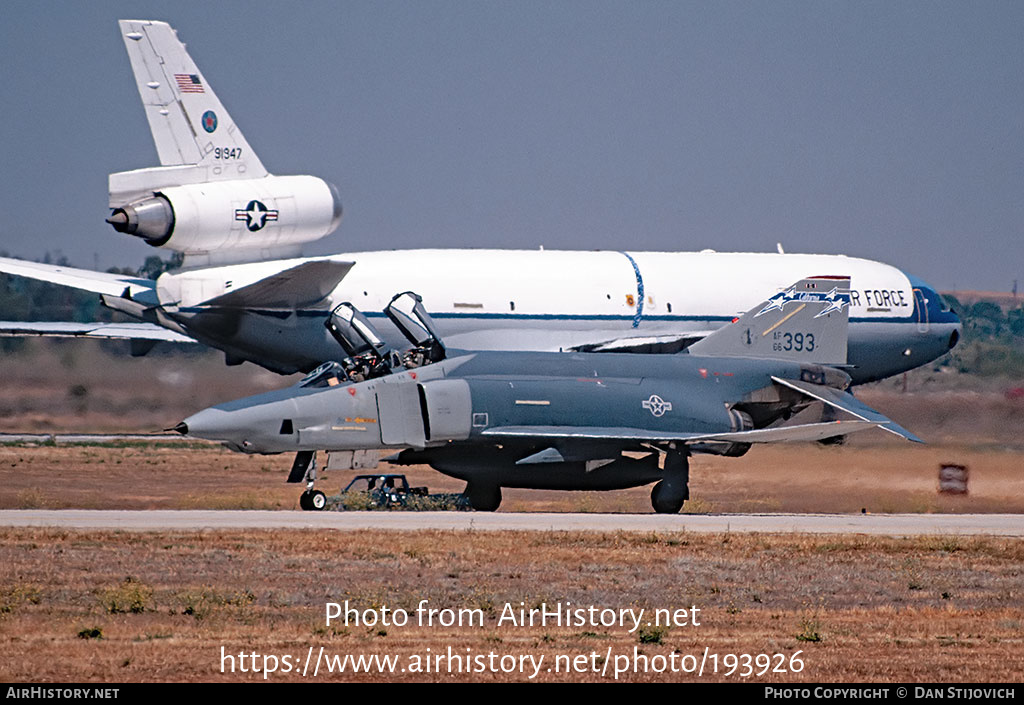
(789, 434)
(844, 401)
(803, 432)
(302, 285)
(111, 331)
(99, 282)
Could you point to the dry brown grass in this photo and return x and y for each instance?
(929, 609)
(801, 478)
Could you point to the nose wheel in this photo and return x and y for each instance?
(313, 500)
(304, 470)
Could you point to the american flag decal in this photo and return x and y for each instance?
(189, 83)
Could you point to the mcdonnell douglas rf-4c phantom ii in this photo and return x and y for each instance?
(244, 290)
(570, 421)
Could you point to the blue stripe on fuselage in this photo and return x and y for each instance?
(639, 290)
(320, 313)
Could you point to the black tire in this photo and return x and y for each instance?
(668, 496)
(484, 498)
(317, 501)
(304, 502)
(666, 499)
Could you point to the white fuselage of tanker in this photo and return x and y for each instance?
(552, 300)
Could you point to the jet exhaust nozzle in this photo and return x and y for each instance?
(181, 428)
(151, 219)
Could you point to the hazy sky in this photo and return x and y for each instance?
(887, 130)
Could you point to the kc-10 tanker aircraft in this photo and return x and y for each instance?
(244, 289)
(571, 421)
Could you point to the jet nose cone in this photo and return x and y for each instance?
(211, 424)
(242, 429)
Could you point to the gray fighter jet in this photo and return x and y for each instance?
(571, 421)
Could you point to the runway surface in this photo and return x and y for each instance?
(190, 520)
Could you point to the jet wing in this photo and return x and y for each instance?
(802, 432)
(645, 344)
(100, 282)
(112, 331)
(300, 286)
(845, 401)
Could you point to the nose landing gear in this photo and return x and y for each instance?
(313, 500)
(304, 470)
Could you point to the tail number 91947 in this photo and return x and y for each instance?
(799, 342)
(227, 152)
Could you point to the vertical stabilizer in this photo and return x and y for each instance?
(210, 198)
(188, 122)
(806, 322)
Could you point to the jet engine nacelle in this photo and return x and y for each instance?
(271, 213)
(740, 421)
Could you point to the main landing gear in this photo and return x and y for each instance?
(483, 498)
(673, 490)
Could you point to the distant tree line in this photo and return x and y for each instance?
(992, 342)
(24, 299)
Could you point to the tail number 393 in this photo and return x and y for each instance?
(786, 341)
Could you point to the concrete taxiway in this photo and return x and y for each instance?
(1010, 525)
